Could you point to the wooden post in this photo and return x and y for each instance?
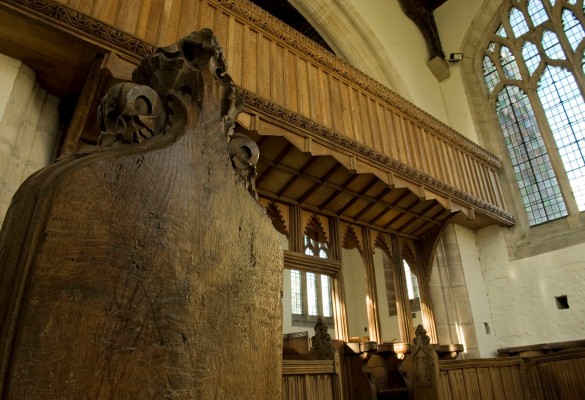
(371, 291)
(402, 304)
(146, 269)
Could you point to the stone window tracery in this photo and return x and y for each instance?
(533, 69)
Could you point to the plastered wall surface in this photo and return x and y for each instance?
(354, 278)
(29, 126)
(522, 292)
(482, 331)
(405, 44)
(453, 20)
(388, 323)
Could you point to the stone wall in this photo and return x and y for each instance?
(29, 124)
(451, 298)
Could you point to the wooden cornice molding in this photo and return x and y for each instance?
(87, 26)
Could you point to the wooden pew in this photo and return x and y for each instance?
(311, 373)
(547, 371)
(372, 370)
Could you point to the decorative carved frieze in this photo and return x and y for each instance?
(88, 25)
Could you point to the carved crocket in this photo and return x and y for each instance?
(145, 269)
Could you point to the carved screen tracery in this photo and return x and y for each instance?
(315, 240)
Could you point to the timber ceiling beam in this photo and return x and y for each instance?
(421, 13)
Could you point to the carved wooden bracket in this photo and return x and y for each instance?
(419, 12)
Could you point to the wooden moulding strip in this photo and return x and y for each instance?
(447, 365)
(308, 367)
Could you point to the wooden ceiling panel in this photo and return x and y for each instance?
(322, 183)
(318, 195)
(295, 159)
(362, 183)
(341, 177)
(337, 202)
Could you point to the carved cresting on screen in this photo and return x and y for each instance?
(144, 268)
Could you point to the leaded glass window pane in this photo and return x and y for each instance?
(518, 23)
(296, 292)
(564, 108)
(490, 73)
(531, 56)
(551, 45)
(509, 63)
(326, 295)
(536, 180)
(312, 301)
(537, 12)
(501, 31)
(573, 29)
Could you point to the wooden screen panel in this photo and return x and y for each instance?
(486, 379)
(267, 62)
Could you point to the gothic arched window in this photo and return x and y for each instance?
(534, 70)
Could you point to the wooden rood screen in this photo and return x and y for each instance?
(321, 101)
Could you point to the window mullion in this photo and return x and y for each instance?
(304, 287)
(319, 296)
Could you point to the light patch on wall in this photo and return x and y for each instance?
(461, 337)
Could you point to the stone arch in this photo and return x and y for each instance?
(351, 38)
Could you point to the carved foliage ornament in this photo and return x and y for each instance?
(164, 86)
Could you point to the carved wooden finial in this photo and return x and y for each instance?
(167, 87)
(424, 374)
(321, 346)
